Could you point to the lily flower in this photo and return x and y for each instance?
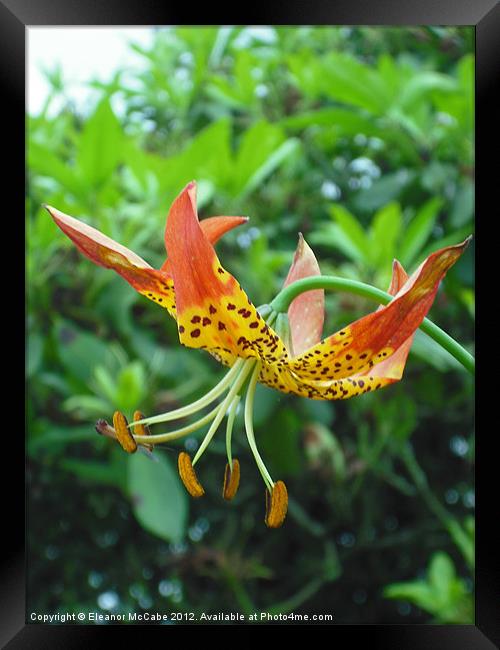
(285, 352)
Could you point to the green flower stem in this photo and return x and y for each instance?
(283, 300)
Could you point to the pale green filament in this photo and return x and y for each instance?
(236, 387)
(177, 433)
(207, 399)
(249, 427)
(229, 429)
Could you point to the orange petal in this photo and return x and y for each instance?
(213, 228)
(213, 311)
(399, 277)
(393, 367)
(307, 312)
(359, 347)
(104, 251)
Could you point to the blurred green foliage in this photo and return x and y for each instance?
(362, 139)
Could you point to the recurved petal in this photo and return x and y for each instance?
(355, 351)
(213, 228)
(398, 279)
(213, 311)
(306, 313)
(104, 251)
(391, 369)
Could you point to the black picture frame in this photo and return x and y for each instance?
(15, 17)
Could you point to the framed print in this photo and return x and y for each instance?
(265, 417)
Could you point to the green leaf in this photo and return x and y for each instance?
(419, 230)
(207, 157)
(441, 573)
(343, 78)
(353, 232)
(442, 594)
(332, 236)
(384, 231)
(430, 351)
(423, 83)
(79, 352)
(112, 473)
(346, 121)
(462, 209)
(100, 145)
(54, 437)
(131, 386)
(464, 538)
(455, 238)
(382, 190)
(262, 149)
(44, 162)
(158, 500)
(417, 592)
(87, 406)
(281, 444)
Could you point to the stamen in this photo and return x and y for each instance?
(207, 399)
(123, 435)
(142, 429)
(229, 428)
(188, 476)
(223, 407)
(249, 428)
(177, 433)
(231, 480)
(276, 505)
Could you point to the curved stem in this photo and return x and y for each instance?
(288, 294)
(229, 429)
(249, 427)
(158, 438)
(207, 399)
(223, 407)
